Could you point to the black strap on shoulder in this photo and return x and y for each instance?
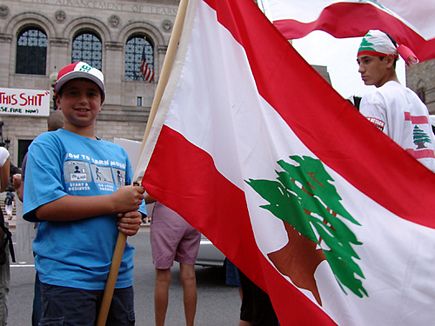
(9, 240)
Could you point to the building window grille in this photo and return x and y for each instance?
(23, 145)
(87, 47)
(31, 52)
(136, 48)
(139, 101)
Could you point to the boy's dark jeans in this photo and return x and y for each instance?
(74, 307)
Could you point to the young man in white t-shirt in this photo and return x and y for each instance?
(393, 108)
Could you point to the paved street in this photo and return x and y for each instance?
(218, 304)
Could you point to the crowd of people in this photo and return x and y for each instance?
(78, 188)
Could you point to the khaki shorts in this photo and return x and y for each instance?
(172, 238)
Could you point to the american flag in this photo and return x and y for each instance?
(146, 68)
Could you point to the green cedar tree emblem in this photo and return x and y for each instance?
(366, 45)
(303, 195)
(420, 137)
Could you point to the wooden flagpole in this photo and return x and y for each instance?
(161, 85)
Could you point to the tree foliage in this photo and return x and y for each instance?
(420, 137)
(304, 196)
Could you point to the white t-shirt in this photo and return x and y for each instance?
(400, 114)
(4, 155)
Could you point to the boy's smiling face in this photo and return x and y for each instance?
(80, 101)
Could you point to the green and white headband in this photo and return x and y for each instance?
(378, 43)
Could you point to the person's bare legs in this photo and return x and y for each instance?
(244, 323)
(161, 295)
(188, 281)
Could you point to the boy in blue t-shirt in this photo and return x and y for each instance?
(78, 188)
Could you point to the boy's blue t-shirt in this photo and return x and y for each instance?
(76, 254)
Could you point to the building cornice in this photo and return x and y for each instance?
(59, 42)
(162, 49)
(5, 38)
(114, 46)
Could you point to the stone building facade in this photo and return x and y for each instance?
(38, 37)
(421, 79)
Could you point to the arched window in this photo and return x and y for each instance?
(87, 47)
(139, 58)
(31, 51)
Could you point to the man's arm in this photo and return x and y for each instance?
(18, 184)
(69, 208)
(374, 109)
(18, 179)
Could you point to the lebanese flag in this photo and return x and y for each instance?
(253, 148)
(409, 23)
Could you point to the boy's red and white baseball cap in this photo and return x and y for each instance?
(79, 70)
